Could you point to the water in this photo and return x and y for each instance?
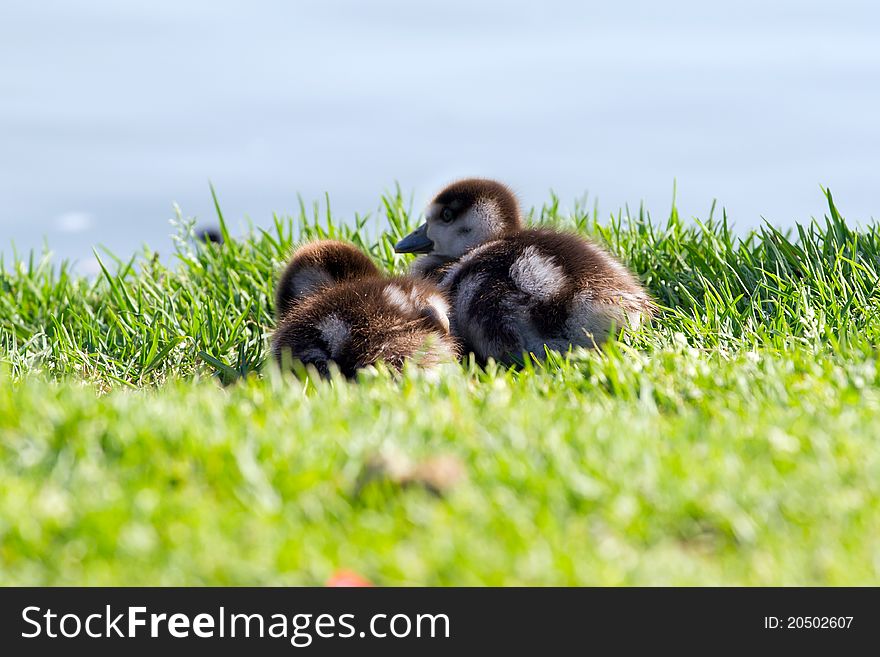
(109, 111)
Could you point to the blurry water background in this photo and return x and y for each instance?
(111, 111)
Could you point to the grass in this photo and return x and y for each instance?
(143, 440)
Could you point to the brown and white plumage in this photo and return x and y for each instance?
(333, 305)
(514, 290)
(317, 265)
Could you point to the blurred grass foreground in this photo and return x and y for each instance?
(144, 439)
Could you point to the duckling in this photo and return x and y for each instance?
(512, 289)
(333, 305)
(316, 265)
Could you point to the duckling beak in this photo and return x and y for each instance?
(416, 242)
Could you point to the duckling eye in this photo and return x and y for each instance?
(447, 215)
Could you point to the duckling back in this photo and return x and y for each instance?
(537, 288)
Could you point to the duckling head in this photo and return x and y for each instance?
(317, 265)
(464, 215)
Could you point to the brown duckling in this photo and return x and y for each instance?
(317, 265)
(512, 289)
(333, 305)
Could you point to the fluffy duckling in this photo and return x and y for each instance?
(514, 290)
(333, 305)
(317, 265)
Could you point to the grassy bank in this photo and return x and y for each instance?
(142, 440)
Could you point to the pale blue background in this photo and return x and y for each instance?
(110, 111)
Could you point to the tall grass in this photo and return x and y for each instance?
(735, 441)
(210, 309)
